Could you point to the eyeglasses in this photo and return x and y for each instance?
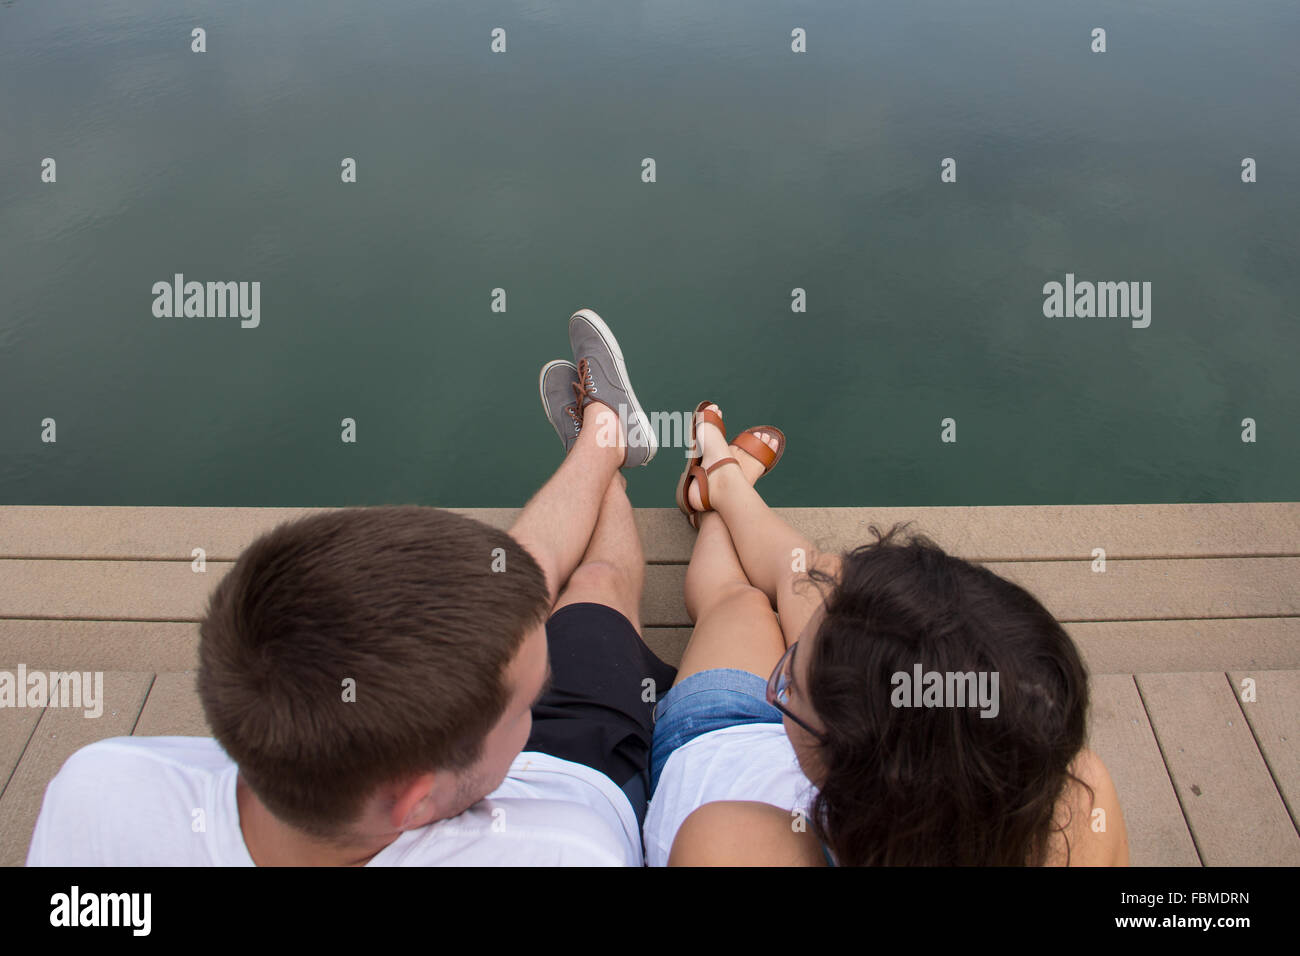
(778, 690)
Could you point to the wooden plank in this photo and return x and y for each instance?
(16, 726)
(107, 590)
(1128, 590)
(57, 531)
(1131, 647)
(1142, 647)
(1062, 532)
(100, 645)
(1274, 717)
(1161, 590)
(170, 647)
(1120, 734)
(668, 643)
(1002, 533)
(1232, 806)
(60, 732)
(1108, 647)
(173, 709)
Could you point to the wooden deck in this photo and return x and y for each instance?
(1194, 600)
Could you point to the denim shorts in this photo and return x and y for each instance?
(704, 702)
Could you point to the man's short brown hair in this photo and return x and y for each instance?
(403, 601)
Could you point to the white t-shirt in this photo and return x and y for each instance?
(170, 801)
(747, 762)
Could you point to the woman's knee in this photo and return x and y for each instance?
(739, 602)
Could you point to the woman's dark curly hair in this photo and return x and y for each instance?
(940, 785)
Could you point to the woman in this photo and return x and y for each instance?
(793, 736)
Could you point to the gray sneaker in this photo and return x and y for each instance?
(603, 377)
(559, 388)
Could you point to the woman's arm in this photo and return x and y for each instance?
(1095, 828)
(744, 833)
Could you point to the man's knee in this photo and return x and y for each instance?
(603, 583)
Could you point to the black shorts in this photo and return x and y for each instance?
(597, 710)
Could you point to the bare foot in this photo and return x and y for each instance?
(714, 447)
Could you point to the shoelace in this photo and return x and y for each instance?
(583, 389)
(574, 411)
(581, 395)
(584, 375)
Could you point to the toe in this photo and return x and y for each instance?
(752, 467)
(709, 433)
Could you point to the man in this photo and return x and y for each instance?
(372, 675)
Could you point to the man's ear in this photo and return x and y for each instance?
(415, 805)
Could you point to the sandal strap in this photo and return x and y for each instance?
(703, 413)
(701, 478)
(760, 450)
(712, 417)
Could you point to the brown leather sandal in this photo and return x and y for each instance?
(692, 470)
(701, 477)
(749, 442)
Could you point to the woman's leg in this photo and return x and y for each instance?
(734, 623)
(774, 555)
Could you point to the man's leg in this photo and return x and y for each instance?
(557, 523)
(612, 571)
(604, 680)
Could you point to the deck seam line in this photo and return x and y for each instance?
(1182, 808)
(153, 679)
(26, 745)
(1260, 750)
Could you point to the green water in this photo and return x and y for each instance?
(522, 171)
